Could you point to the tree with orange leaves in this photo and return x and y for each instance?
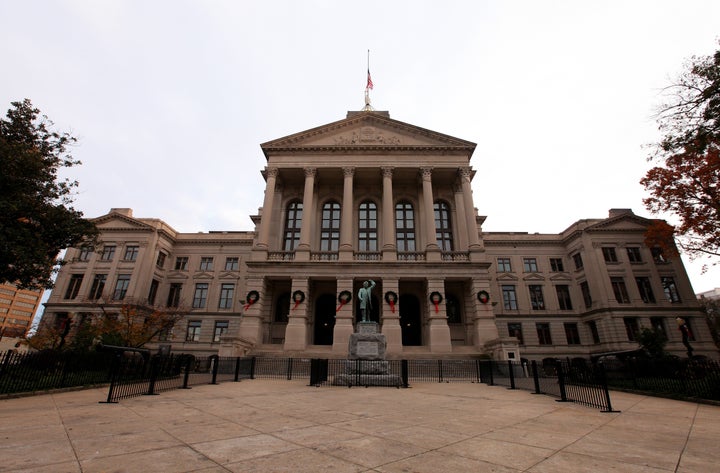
(133, 323)
(687, 182)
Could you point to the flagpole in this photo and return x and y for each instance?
(368, 86)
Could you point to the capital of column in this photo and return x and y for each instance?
(426, 173)
(387, 171)
(272, 172)
(348, 171)
(310, 172)
(465, 173)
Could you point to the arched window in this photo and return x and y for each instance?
(367, 227)
(405, 227)
(293, 222)
(443, 230)
(330, 229)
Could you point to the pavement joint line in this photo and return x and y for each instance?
(65, 430)
(687, 437)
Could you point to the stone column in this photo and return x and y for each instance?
(266, 221)
(391, 320)
(343, 318)
(389, 247)
(438, 329)
(482, 315)
(302, 253)
(250, 331)
(473, 238)
(296, 332)
(346, 217)
(432, 250)
(460, 218)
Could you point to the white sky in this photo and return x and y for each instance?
(171, 99)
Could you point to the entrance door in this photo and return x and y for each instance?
(410, 320)
(324, 320)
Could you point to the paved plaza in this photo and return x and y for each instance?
(269, 426)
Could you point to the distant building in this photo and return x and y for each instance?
(17, 309)
(370, 197)
(712, 294)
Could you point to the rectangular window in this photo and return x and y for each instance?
(563, 295)
(619, 289)
(556, 265)
(200, 297)
(543, 333)
(530, 265)
(131, 252)
(232, 264)
(577, 259)
(174, 295)
(108, 253)
(85, 253)
(592, 325)
(645, 289)
(206, 263)
(658, 324)
(98, 286)
(631, 328)
(609, 254)
(572, 334)
(153, 291)
(670, 289)
(74, 286)
(515, 330)
(121, 287)
(193, 331)
(537, 302)
(509, 298)
(221, 327)
(587, 298)
(227, 292)
(161, 259)
(633, 254)
(658, 255)
(503, 265)
(181, 263)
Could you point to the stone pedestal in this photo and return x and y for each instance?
(366, 365)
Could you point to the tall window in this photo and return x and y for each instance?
(85, 253)
(154, 285)
(293, 222)
(367, 227)
(592, 325)
(174, 295)
(658, 255)
(572, 335)
(556, 265)
(619, 289)
(530, 265)
(658, 323)
(537, 302)
(221, 327)
(98, 286)
(193, 331)
(330, 227)
(509, 297)
(443, 230)
(227, 291)
(563, 295)
(577, 259)
(587, 297)
(108, 253)
(609, 254)
(206, 263)
(131, 252)
(162, 256)
(405, 226)
(634, 255)
(181, 263)
(515, 330)
(543, 333)
(503, 265)
(74, 286)
(232, 263)
(670, 289)
(200, 296)
(121, 287)
(631, 328)
(645, 289)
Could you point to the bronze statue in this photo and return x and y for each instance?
(365, 300)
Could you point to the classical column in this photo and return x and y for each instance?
(307, 216)
(346, 217)
(439, 331)
(262, 241)
(460, 217)
(428, 210)
(388, 219)
(473, 239)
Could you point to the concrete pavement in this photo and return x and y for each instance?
(285, 426)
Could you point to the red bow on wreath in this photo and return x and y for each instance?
(343, 299)
(298, 297)
(436, 298)
(252, 298)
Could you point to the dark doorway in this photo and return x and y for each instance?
(410, 320)
(324, 319)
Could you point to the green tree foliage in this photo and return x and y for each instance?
(685, 182)
(37, 220)
(653, 341)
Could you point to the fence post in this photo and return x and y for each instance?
(237, 368)
(252, 368)
(512, 374)
(404, 370)
(186, 378)
(114, 371)
(536, 376)
(216, 364)
(289, 368)
(440, 371)
(478, 374)
(492, 378)
(154, 368)
(561, 381)
(603, 381)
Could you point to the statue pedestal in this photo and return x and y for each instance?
(366, 365)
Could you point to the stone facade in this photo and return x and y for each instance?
(370, 197)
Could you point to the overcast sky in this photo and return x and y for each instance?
(171, 99)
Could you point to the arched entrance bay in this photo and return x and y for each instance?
(410, 320)
(324, 320)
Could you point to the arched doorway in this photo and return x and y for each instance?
(324, 320)
(410, 320)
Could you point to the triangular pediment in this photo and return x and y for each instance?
(177, 275)
(506, 277)
(533, 277)
(561, 277)
(202, 275)
(117, 221)
(367, 129)
(624, 222)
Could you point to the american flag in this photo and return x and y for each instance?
(369, 82)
